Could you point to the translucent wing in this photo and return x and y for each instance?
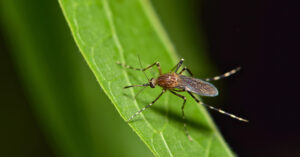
(197, 86)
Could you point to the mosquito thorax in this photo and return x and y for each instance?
(169, 80)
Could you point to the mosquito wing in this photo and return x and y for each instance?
(197, 86)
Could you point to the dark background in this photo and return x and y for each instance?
(261, 36)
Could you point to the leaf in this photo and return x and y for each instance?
(108, 31)
(76, 115)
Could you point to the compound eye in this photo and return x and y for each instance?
(152, 85)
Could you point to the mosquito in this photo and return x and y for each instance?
(175, 82)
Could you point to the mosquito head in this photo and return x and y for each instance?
(152, 83)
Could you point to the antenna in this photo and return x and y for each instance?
(140, 91)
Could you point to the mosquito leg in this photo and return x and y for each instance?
(231, 72)
(179, 90)
(182, 113)
(142, 69)
(150, 66)
(178, 65)
(218, 110)
(186, 69)
(128, 66)
(143, 109)
(142, 85)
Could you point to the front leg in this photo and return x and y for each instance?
(144, 108)
(142, 69)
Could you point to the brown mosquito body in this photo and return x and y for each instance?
(168, 81)
(175, 82)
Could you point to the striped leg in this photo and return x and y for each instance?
(178, 65)
(182, 112)
(149, 105)
(231, 72)
(186, 69)
(141, 69)
(218, 110)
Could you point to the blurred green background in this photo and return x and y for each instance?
(51, 102)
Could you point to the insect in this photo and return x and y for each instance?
(175, 82)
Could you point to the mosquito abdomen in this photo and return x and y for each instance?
(197, 86)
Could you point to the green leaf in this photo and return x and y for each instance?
(107, 31)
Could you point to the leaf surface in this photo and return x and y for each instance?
(107, 31)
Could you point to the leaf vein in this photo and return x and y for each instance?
(165, 143)
(95, 63)
(208, 146)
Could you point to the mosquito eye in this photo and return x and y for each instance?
(152, 85)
